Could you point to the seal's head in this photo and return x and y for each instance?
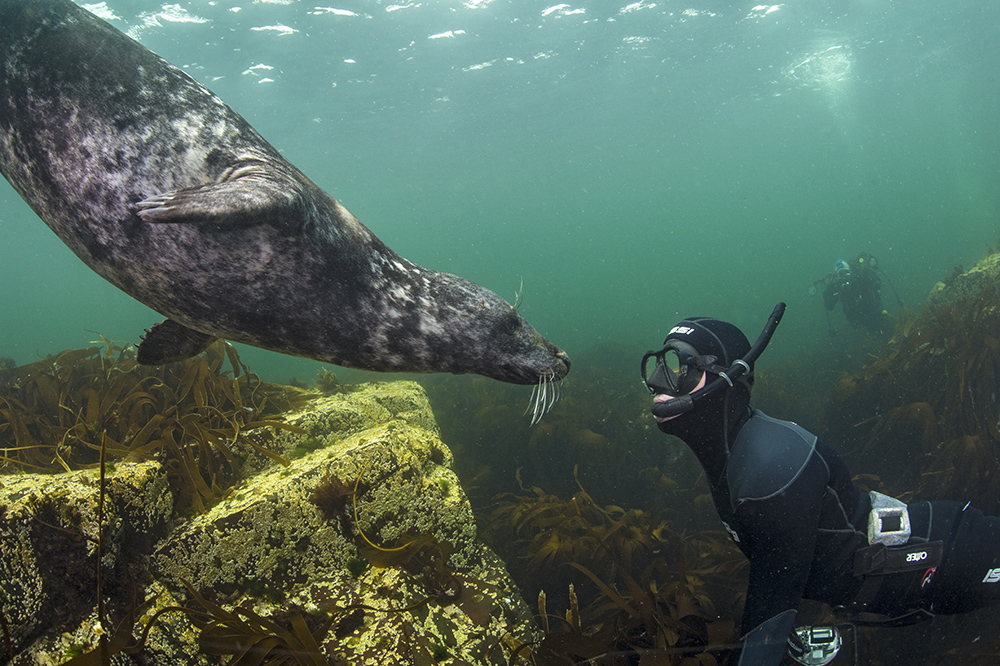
(496, 341)
(520, 354)
(466, 328)
(523, 356)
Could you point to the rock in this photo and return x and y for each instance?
(48, 537)
(970, 284)
(281, 563)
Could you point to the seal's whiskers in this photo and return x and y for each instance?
(543, 396)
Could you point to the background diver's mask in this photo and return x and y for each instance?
(676, 369)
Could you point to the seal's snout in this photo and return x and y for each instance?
(562, 364)
(543, 364)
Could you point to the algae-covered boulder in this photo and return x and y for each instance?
(362, 550)
(48, 537)
(983, 277)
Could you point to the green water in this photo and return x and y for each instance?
(632, 164)
(628, 164)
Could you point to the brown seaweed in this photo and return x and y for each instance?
(923, 417)
(192, 415)
(252, 639)
(646, 604)
(553, 531)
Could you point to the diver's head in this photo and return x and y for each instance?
(696, 353)
(694, 346)
(841, 268)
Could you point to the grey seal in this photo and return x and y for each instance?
(167, 193)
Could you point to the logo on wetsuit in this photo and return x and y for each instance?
(992, 576)
(928, 576)
(916, 557)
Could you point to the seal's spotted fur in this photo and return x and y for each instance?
(170, 195)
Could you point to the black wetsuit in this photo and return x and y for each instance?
(788, 500)
(858, 293)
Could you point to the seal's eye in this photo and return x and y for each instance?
(511, 325)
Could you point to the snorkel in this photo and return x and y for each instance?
(726, 378)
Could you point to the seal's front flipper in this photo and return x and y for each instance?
(169, 341)
(250, 194)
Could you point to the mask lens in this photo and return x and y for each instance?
(665, 371)
(675, 362)
(649, 364)
(688, 380)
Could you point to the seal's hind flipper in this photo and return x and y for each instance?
(249, 195)
(169, 341)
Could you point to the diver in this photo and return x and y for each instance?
(788, 501)
(857, 285)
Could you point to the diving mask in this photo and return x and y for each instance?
(676, 369)
(665, 374)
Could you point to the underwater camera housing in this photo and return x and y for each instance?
(685, 403)
(820, 645)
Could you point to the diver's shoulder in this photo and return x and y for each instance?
(764, 441)
(766, 427)
(768, 455)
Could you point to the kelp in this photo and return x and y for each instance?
(663, 617)
(120, 639)
(924, 415)
(193, 415)
(252, 639)
(552, 531)
(648, 606)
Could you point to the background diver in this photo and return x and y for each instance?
(788, 501)
(856, 284)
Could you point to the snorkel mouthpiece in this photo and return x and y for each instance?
(671, 408)
(726, 378)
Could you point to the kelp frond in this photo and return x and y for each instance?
(191, 415)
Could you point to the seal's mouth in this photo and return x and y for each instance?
(535, 369)
(554, 370)
(561, 366)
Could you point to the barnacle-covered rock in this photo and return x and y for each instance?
(362, 549)
(48, 538)
(984, 276)
(328, 419)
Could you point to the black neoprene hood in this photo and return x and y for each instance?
(712, 337)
